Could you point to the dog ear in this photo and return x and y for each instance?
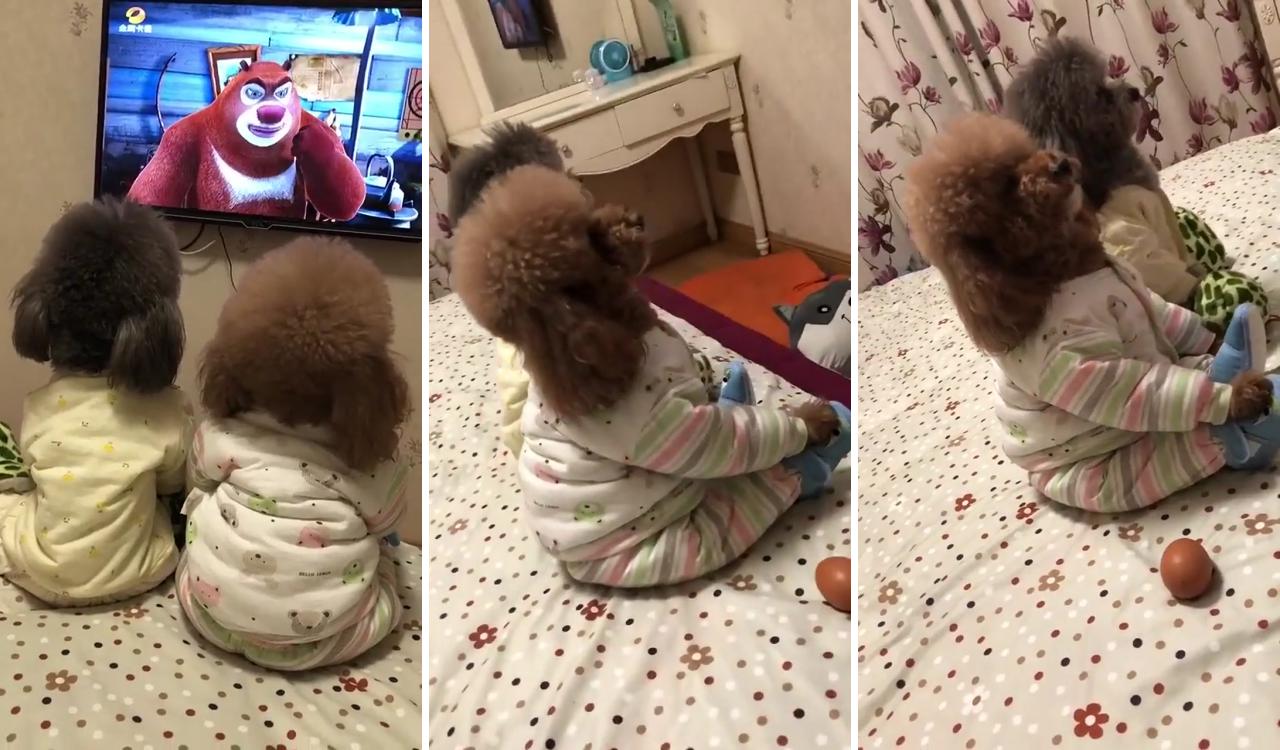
(221, 392)
(368, 407)
(998, 306)
(30, 321)
(148, 349)
(581, 358)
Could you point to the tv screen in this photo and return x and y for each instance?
(268, 114)
(519, 23)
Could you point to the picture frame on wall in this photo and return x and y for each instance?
(224, 63)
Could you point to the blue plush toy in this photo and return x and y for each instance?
(736, 388)
(816, 464)
(1246, 445)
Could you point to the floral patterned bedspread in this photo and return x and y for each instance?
(989, 618)
(523, 657)
(135, 675)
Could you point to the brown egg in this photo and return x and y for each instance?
(834, 577)
(1186, 569)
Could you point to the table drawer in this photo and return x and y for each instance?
(669, 108)
(587, 138)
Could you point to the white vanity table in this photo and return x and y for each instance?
(623, 123)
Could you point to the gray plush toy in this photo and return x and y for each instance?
(821, 327)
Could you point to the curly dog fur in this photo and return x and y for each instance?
(307, 340)
(102, 297)
(1066, 100)
(537, 265)
(509, 146)
(1004, 222)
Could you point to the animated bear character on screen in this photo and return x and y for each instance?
(254, 151)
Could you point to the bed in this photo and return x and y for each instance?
(522, 657)
(989, 618)
(135, 675)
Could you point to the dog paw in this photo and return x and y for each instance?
(1251, 396)
(618, 224)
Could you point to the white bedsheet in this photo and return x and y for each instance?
(521, 656)
(989, 618)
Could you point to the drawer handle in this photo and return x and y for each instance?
(679, 110)
(568, 152)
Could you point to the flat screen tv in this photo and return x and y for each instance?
(519, 23)
(300, 115)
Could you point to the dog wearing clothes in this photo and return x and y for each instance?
(1104, 392)
(632, 475)
(107, 437)
(294, 482)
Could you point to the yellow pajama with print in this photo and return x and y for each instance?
(94, 529)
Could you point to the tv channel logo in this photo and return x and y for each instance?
(136, 21)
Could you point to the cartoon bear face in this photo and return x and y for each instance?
(307, 621)
(258, 563)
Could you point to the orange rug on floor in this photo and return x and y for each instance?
(747, 291)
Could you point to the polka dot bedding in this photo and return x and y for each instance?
(991, 618)
(523, 657)
(134, 675)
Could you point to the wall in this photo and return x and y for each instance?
(796, 86)
(1268, 14)
(47, 146)
(660, 187)
(517, 75)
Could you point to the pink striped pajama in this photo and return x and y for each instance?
(661, 487)
(1107, 406)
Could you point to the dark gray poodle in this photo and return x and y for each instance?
(1065, 99)
(509, 146)
(102, 298)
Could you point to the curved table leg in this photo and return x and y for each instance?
(742, 150)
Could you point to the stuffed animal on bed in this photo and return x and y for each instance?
(821, 327)
(107, 437)
(1251, 444)
(1066, 99)
(816, 464)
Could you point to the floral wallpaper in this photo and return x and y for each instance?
(1201, 65)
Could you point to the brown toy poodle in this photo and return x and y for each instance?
(560, 288)
(626, 460)
(307, 339)
(1100, 378)
(1004, 222)
(294, 480)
